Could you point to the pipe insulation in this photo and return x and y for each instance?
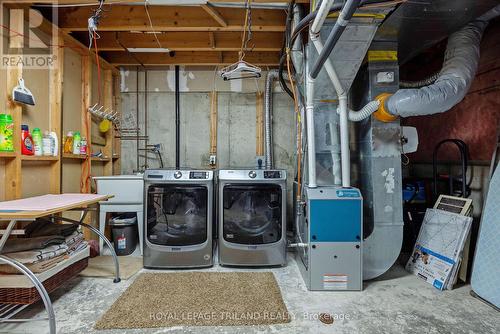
(459, 69)
(272, 75)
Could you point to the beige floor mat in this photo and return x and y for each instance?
(198, 299)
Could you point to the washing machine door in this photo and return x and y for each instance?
(177, 214)
(252, 213)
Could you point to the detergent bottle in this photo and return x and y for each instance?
(26, 141)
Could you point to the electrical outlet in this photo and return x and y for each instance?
(213, 160)
(260, 161)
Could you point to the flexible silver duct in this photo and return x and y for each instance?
(272, 75)
(459, 69)
(365, 112)
(297, 55)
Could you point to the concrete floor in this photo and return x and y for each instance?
(395, 303)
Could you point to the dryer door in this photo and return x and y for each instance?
(252, 213)
(177, 214)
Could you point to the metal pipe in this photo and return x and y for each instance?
(137, 132)
(272, 75)
(146, 116)
(177, 119)
(39, 287)
(342, 21)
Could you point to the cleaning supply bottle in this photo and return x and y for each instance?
(6, 133)
(83, 146)
(55, 144)
(76, 143)
(26, 140)
(37, 142)
(68, 143)
(47, 144)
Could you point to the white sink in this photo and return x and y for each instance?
(126, 189)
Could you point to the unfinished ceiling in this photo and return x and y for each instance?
(208, 33)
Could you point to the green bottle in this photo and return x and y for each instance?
(37, 141)
(6, 133)
(77, 141)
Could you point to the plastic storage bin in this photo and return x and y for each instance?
(124, 230)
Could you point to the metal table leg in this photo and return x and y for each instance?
(40, 288)
(101, 235)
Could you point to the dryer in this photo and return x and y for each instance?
(178, 210)
(252, 217)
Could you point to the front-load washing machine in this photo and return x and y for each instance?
(178, 218)
(252, 217)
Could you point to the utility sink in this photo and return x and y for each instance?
(126, 189)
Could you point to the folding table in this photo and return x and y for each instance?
(48, 207)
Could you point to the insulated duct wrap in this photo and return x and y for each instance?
(459, 69)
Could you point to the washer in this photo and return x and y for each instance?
(178, 210)
(252, 217)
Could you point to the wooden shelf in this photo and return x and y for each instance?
(38, 158)
(74, 156)
(101, 159)
(7, 155)
(116, 156)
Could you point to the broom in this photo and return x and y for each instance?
(22, 94)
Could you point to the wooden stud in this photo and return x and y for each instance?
(108, 104)
(55, 109)
(13, 177)
(214, 14)
(86, 121)
(260, 124)
(211, 37)
(117, 141)
(213, 122)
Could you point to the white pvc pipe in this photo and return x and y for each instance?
(323, 11)
(344, 113)
(311, 140)
(345, 156)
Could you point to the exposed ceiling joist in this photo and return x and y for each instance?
(186, 41)
(214, 14)
(91, 2)
(170, 18)
(190, 58)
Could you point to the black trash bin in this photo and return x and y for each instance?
(124, 230)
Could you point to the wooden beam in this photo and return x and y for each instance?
(86, 121)
(13, 177)
(191, 58)
(185, 41)
(91, 2)
(117, 144)
(170, 18)
(211, 36)
(55, 109)
(214, 14)
(213, 125)
(108, 104)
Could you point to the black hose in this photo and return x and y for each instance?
(177, 119)
(337, 31)
(310, 17)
